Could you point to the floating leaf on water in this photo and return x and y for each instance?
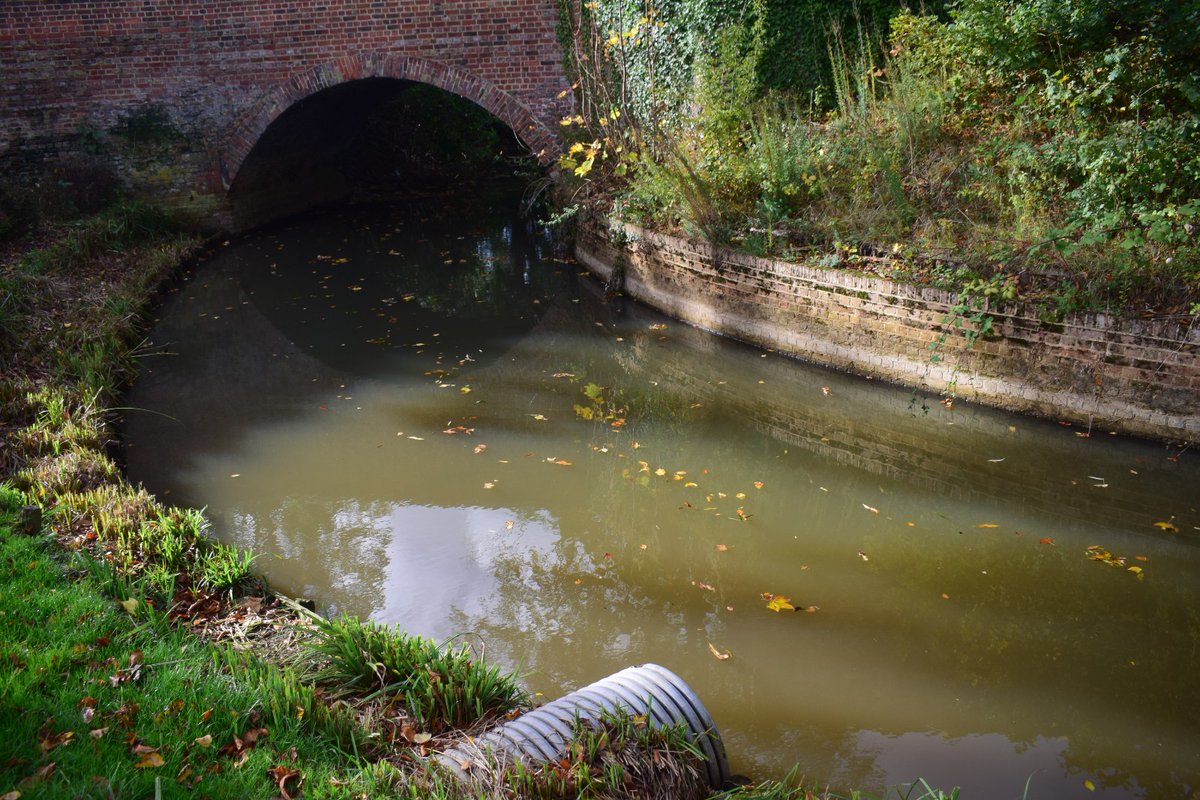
(987, 525)
(717, 653)
(872, 509)
(1167, 525)
(1046, 540)
(1087, 784)
(777, 602)
(995, 460)
(863, 556)
(489, 485)
(945, 596)
(721, 547)
(758, 484)
(539, 417)
(740, 495)
(702, 585)
(660, 472)
(479, 448)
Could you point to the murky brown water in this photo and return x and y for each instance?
(382, 405)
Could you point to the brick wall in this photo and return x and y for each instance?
(222, 70)
(1140, 377)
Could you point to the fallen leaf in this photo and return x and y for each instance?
(282, 775)
(1168, 526)
(98, 733)
(987, 525)
(995, 460)
(870, 508)
(203, 741)
(945, 596)
(825, 390)
(863, 556)
(721, 547)
(508, 524)
(778, 602)
(129, 605)
(539, 417)
(717, 653)
(1087, 784)
(489, 485)
(479, 448)
(706, 587)
(1046, 540)
(758, 484)
(643, 546)
(150, 760)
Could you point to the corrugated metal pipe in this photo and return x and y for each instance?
(543, 735)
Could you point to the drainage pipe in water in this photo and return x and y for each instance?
(543, 735)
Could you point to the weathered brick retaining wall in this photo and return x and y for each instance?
(178, 91)
(1140, 377)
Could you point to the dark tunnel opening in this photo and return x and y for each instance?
(371, 140)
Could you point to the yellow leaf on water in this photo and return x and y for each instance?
(1167, 526)
(721, 547)
(780, 603)
(872, 509)
(740, 495)
(758, 484)
(987, 525)
(660, 472)
(1087, 784)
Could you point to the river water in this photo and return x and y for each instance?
(420, 415)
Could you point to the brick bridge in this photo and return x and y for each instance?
(177, 92)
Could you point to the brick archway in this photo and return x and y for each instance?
(246, 130)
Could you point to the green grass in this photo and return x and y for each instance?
(438, 686)
(92, 699)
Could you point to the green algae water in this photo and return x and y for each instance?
(421, 415)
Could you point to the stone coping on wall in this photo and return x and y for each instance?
(1133, 376)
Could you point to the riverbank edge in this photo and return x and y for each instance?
(63, 458)
(1138, 377)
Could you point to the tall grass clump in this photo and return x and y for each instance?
(439, 686)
